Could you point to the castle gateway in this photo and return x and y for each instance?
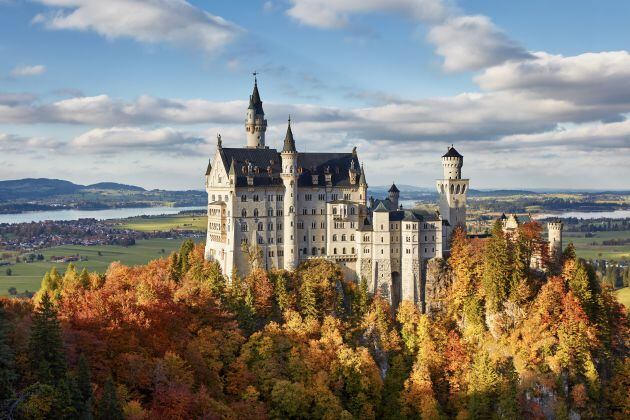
(291, 206)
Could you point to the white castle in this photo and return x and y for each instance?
(292, 206)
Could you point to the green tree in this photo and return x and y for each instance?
(361, 302)
(496, 274)
(482, 384)
(84, 385)
(184, 250)
(109, 408)
(46, 350)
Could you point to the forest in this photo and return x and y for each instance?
(173, 339)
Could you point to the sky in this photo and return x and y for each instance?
(534, 94)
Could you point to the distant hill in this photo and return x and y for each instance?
(114, 186)
(39, 188)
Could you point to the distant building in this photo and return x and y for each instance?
(294, 206)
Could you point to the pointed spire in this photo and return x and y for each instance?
(393, 189)
(219, 142)
(289, 142)
(255, 102)
(232, 171)
(209, 168)
(362, 177)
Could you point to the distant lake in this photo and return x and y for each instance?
(615, 214)
(40, 216)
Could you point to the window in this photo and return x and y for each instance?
(352, 210)
(323, 251)
(314, 225)
(343, 238)
(261, 227)
(334, 197)
(308, 197)
(279, 240)
(291, 210)
(346, 197)
(304, 212)
(243, 198)
(278, 226)
(305, 251)
(335, 251)
(255, 212)
(255, 197)
(334, 238)
(343, 251)
(352, 250)
(279, 212)
(269, 197)
(279, 197)
(314, 238)
(312, 211)
(300, 225)
(244, 227)
(322, 197)
(270, 212)
(323, 225)
(352, 237)
(212, 197)
(334, 210)
(270, 226)
(314, 251)
(244, 213)
(280, 253)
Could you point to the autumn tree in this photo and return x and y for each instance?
(496, 274)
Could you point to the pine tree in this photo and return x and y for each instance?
(47, 355)
(308, 300)
(84, 385)
(109, 407)
(482, 383)
(84, 279)
(361, 303)
(520, 272)
(184, 250)
(580, 284)
(7, 358)
(496, 275)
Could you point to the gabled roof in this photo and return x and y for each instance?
(452, 153)
(264, 165)
(381, 208)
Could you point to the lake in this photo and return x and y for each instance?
(40, 216)
(615, 214)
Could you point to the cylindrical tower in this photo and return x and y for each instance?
(554, 235)
(289, 177)
(255, 124)
(452, 163)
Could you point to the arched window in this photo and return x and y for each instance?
(291, 210)
(352, 237)
(255, 212)
(352, 250)
(305, 251)
(244, 227)
(344, 251)
(323, 251)
(334, 238)
(352, 210)
(457, 189)
(244, 213)
(260, 226)
(334, 210)
(343, 237)
(442, 188)
(335, 251)
(452, 188)
(463, 188)
(314, 251)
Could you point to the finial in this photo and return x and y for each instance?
(255, 73)
(354, 151)
(219, 142)
(289, 119)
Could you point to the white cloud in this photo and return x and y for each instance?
(28, 71)
(126, 139)
(592, 78)
(19, 144)
(175, 22)
(466, 42)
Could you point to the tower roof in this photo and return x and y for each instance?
(362, 180)
(209, 168)
(255, 102)
(289, 142)
(452, 153)
(394, 189)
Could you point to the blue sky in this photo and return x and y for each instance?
(534, 94)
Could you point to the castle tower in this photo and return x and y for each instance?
(394, 194)
(289, 177)
(554, 235)
(453, 191)
(255, 124)
(381, 258)
(363, 186)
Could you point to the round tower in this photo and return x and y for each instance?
(289, 175)
(452, 163)
(255, 124)
(554, 235)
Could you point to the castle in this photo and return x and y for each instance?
(291, 206)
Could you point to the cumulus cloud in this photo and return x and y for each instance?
(28, 71)
(175, 22)
(117, 139)
(465, 42)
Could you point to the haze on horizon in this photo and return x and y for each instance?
(534, 95)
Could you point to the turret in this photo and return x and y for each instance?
(453, 191)
(289, 175)
(255, 124)
(452, 163)
(394, 195)
(554, 235)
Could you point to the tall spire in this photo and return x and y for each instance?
(362, 180)
(255, 102)
(289, 142)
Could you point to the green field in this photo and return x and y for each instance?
(28, 276)
(623, 295)
(587, 251)
(163, 223)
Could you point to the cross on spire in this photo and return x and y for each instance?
(255, 73)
